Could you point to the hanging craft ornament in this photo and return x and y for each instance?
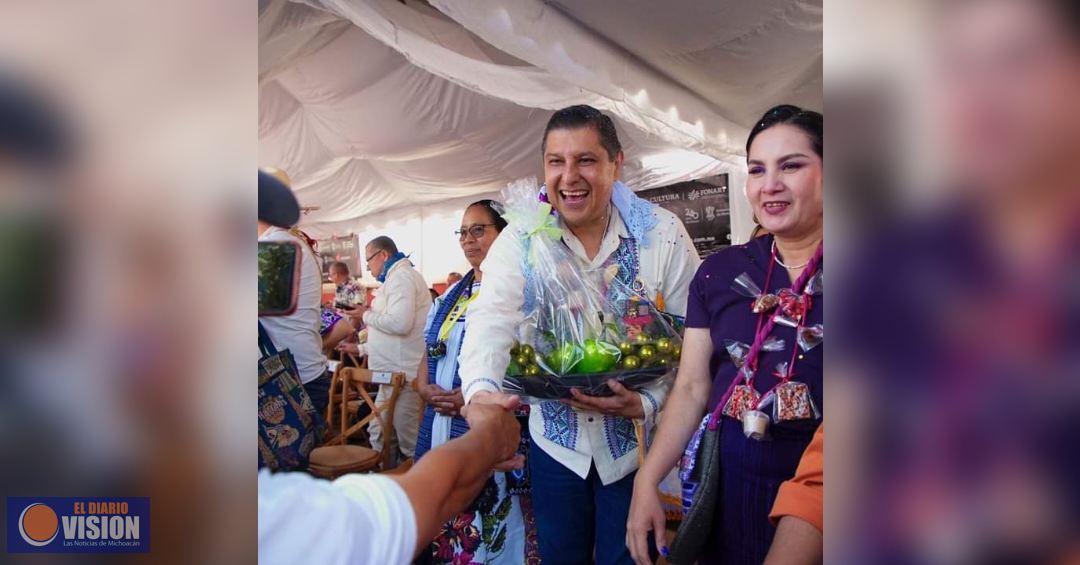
(791, 400)
(762, 302)
(813, 287)
(793, 305)
(755, 424)
(810, 337)
(738, 350)
(743, 397)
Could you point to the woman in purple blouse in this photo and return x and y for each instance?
(723, 320)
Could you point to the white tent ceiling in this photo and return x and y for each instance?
(381, 110)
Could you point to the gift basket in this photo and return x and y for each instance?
(581, 327)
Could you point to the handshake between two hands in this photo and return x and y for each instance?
(491, 416)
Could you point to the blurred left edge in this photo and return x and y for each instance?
(127, 167)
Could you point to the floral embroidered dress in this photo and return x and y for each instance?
(497, 527)
(327, 321)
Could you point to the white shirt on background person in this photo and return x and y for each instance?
(395, 321)
(299, 332)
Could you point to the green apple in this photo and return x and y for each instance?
(600, 356)
(564, 359)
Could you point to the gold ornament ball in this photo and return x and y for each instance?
(526, 350)
(631, 362)
(642, 339)
(626, 348)
(663, 345)
(646, 352)
(522, 360)
(676, 351)
(532, 370)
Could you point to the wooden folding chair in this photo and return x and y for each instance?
(333, 406)
(339, 457)
(334, 414)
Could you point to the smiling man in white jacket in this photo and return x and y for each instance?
(584, 453)
(395, 325)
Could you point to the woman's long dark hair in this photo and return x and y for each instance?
(810, 122)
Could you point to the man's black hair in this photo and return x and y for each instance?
(582, 116)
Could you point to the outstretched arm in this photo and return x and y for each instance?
(449, 477)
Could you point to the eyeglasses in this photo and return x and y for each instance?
(373, 255)
(476, 231)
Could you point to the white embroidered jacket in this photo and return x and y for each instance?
(575, 438)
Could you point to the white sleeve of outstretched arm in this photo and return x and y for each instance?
(492, 320)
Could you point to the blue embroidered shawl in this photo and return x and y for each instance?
(458, 426)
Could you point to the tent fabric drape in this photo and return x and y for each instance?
(381, 110)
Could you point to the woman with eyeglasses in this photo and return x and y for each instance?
(493, 529)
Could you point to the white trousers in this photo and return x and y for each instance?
(406, 422)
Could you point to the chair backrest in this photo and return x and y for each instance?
(358, 378)
(336, 389)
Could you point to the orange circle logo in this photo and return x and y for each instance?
(38, 524)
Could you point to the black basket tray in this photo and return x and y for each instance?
(552, 387)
